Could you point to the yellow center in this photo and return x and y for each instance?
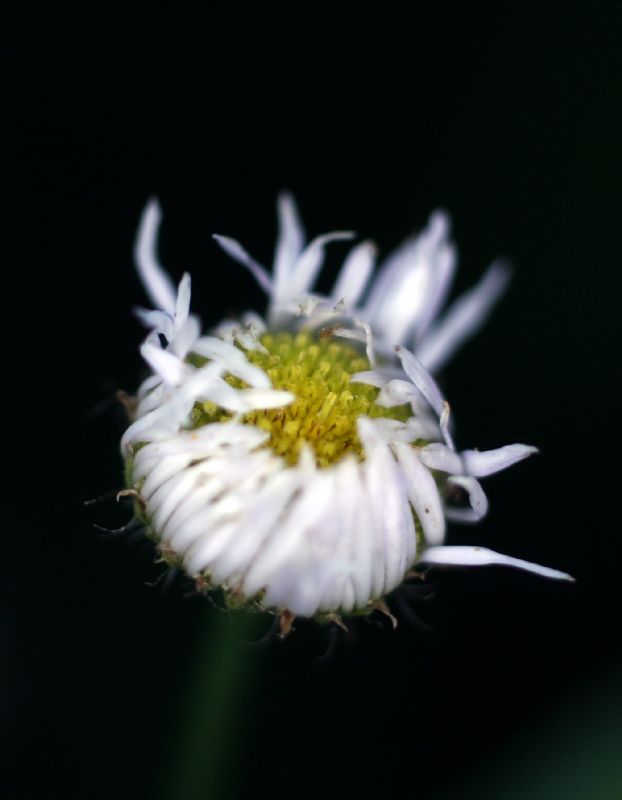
(317, 370)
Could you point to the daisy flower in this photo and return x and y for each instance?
(303, 462)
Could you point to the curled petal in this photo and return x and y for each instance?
(477, 500)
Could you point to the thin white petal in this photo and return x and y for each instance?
(289, 244)
(477, 463)
(243, 401)
(257, 399)
(463, 318)
(182, 303)
(156, 281)
(354, 274)
(445, 425)
(307, 266)
(488, 462)
(481, 556)
(239, 254)
(422, 493)
(443, 270)
(422, 379)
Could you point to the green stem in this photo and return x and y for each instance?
(206, 745)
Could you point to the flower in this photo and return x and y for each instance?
(305, 463)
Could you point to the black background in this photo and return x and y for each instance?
(372, 117)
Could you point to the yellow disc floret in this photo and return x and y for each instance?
(317, 370)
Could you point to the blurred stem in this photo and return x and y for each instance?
(211, 726)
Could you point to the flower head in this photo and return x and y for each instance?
(304, 463)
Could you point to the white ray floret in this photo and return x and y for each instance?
(293, 533)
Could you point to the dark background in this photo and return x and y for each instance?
(372, 117)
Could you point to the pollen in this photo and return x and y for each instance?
(317, 370)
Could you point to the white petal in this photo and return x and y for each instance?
(421, 378)
(289, 244)
(254, 322)
(440, 457)
(363, 575)
(408, 279)
(422, 493)
(183, 341)
(477, 500)
(158, 321)
(260, 517)
(308, 265)
(481, 556)
(168, 366)
(257, 399)
(233, 360)
(443, 270)
(215, 477)
(210, 440)
(488, 462)
(444, 424)
(161, 422)
(239, 254)
(169, 496)
(148, 386)
(157, 283)
(242, 401)
(477, 463)
(223, 507)
(397, 393)
(290, 540)
(354, 274)
(388, 505)
(354, 526)
(463, 319)
(182, 303)
(377, 377)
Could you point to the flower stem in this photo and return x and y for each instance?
(211, 727)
